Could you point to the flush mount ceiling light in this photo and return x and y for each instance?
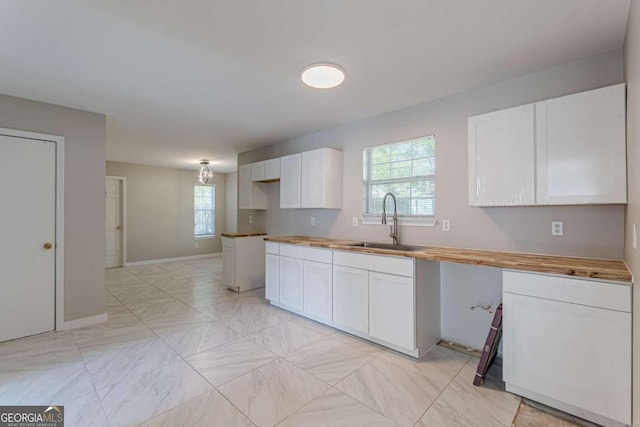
(322, 76)
(205, 173)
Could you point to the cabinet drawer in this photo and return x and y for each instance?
(612, 296)
(272, 248)
(400, 266)
(228, 242)
(306, 253)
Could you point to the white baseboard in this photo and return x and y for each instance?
(85, 321)
(181, 258)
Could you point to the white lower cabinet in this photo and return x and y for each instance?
(229, 265)
(272, 278)
(318, 289)
(372, 296)
(291, 282)
(391, 309)
(241, 269)
(566, 354)
(351, 298)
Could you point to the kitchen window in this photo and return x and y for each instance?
(406, 169)
(204, 211)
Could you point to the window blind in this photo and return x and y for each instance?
(406, 169)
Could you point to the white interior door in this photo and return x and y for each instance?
(27, 247)
(113, 221)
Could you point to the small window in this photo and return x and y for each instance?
(204, 210)
(406, 169)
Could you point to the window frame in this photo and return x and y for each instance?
(213, 210)
(403, 219)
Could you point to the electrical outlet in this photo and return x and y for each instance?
(557, 228)
(354, 221)
(313, 220)
(250, 219)
(446, 225)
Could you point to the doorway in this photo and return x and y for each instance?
(32, 229)
(115, 221)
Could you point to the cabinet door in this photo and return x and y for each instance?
(318, 281)
(351, 298)
(272, 169)
(228, 266)
(257, 171)
(314, 179)
(251, 195)
(291, 282)
(502, 158)
(392, 310)
(290, 172)
(245, 187)
(572, 353)
(581, 148)
(272, 278)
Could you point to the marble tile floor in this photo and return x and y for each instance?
(181, 350)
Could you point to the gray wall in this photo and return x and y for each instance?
(231, 203)
(462, 287)
(594, 231)
(84, 238)
(160, 212)
(632, 256)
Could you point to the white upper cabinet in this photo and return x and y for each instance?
(322, 179)
(501, 158)
(257, 171)
(266, 170)
(290, 183)
(251, 195)
(581, 148)
(272, 169)
(312, 179)
(564, 151)
(244, 187)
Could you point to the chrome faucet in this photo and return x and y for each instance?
(394, 227)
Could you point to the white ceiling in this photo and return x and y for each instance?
(192, 79)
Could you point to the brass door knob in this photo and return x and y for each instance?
(47, 246)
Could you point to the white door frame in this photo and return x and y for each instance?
(123, 214)
(59, 243)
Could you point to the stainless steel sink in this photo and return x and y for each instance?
(388, 246)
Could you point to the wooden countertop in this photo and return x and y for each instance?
(236, 235)
(552, 264)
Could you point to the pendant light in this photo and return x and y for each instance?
(205, 173)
